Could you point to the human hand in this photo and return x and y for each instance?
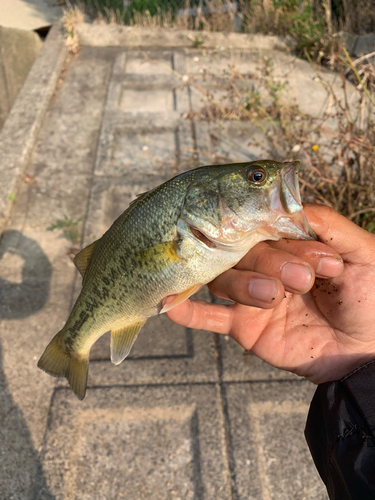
(312, 305)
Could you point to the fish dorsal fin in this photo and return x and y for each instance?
(122, 341)
(139, 197)
(82, 258)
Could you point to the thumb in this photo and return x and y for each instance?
(353, 243)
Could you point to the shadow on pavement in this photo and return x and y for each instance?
(19, 300)
(21, 473)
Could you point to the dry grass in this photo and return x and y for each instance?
(213, 15)
(72, 16)
(268, 16)
(312, 23)
(356, 16)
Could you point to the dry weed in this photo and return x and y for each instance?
(72, 17)
(356, 16)
(211, 15)
(337, 150)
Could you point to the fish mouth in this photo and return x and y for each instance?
(286, 200)
(290, 196)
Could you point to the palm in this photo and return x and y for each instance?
(305, 333)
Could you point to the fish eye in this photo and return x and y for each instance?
(257, 175)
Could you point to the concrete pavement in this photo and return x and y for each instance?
(189, 415)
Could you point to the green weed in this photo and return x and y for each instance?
(197, 42)
(68, 227)
(367, 223)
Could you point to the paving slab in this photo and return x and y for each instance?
(150, 149)
(269, 455)
(304, 84)
(138, 135)
(165, 442)
(230, 141)
(222, 62)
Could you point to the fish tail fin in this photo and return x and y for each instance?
(58, 363)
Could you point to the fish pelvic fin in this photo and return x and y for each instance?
(122, 341)
(58, 363)
(181, 297)
(81, 260)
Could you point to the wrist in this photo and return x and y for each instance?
(337, 368)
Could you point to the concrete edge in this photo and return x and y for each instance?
(20, 130)
(113, 35)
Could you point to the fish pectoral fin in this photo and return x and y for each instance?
(82, 258)
(181, 297)
(122, 341)
(59, 363)
(162, 252)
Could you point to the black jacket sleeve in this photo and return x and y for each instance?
(340, 432)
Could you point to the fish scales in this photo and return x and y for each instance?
(171, 241)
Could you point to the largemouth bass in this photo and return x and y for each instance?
(172, 240)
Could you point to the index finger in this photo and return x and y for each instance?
(203, 316)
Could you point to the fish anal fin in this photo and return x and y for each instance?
(181, 297)
(82, 258)
(59, 363)
(122, 341)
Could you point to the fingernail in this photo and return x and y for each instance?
(329, 267)
(263, 289)
(296, 276)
